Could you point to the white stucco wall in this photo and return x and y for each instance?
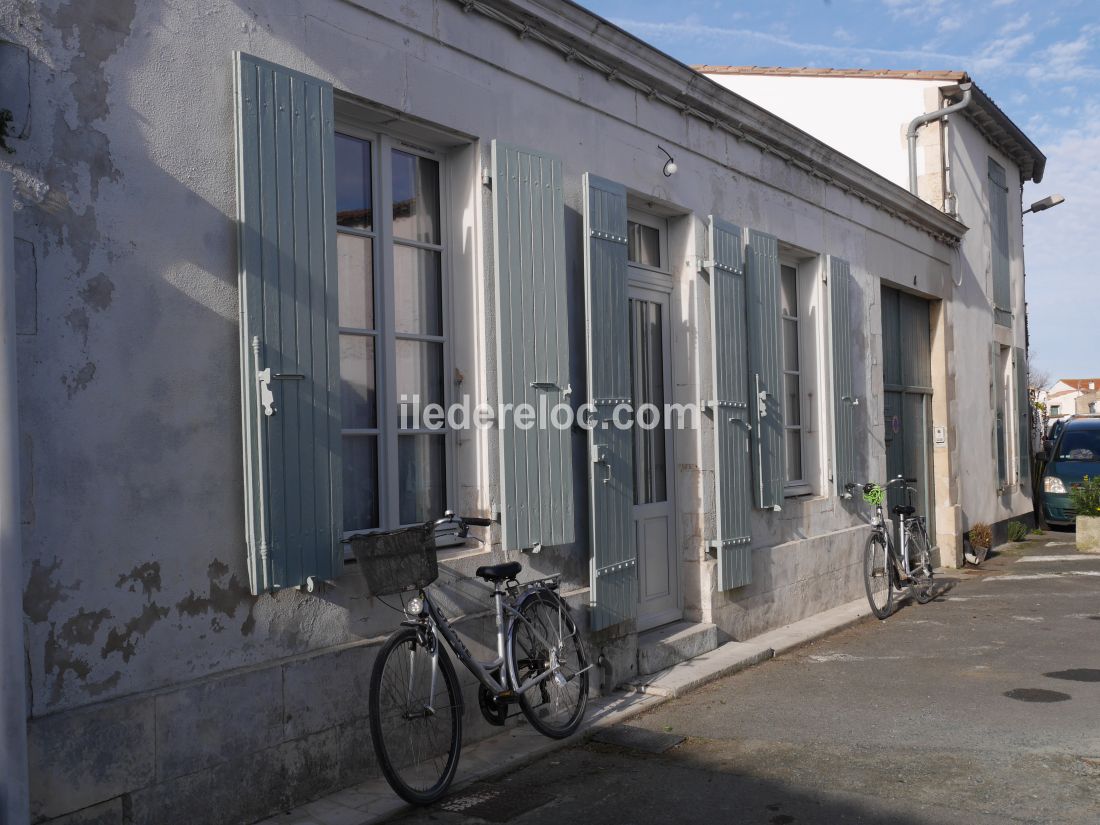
(866, 119)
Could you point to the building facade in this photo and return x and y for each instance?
(1072, 396)
(971, 164)
(262, 233)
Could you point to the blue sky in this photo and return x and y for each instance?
(1040, 61)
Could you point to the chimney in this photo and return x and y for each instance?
(1092, 385)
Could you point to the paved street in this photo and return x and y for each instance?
(981, 707)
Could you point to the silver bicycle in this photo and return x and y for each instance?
(415, 701)
(886, 569)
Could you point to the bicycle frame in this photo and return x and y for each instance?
(435, 624)
(899, 557)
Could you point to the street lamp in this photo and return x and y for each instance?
(1045, 203)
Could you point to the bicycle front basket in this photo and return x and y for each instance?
(394, 561)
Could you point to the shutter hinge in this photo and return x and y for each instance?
(486, 178)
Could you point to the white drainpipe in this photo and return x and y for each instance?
(920, 120)
(15, 789)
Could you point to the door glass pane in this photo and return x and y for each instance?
(415, 197)
(643, 245)
(360, 460)
(358, 399)
(417, 286)
(422, 473)
(788, 290)
(420, 377)
(790, 344)
(355, 273)
(647, 371)
(792, 402)
(794, 455)
(353, 182)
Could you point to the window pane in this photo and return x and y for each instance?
(648, 387)
(420, 375)
(643, 245)
(417, 287)
(415, 197)
(790, 344)
(360, 459)
(794, 455)
(353, 182)
(358, 401)
(421, 468)
(355, 273)
(788, 281)
(792, 403)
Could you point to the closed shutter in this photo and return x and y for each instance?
(998, 224)
(765, 367)
(844, 397)
(536, 468)
(730, 406)
(611, 455)
(1023, 414)
(290, 368)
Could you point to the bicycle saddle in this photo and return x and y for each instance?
(903, 510)
(499, 572)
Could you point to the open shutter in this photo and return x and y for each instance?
(844, 397)
(730, 406)
(998, 230)
(611, 452)
(536, 468)
(765, 367)
(290, 368)
(1023, 416)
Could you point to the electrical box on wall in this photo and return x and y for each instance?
(939, 436)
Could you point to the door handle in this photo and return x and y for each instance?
(599, 456)
(267, 398)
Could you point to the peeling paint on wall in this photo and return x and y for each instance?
(43, 591)
(123, 640)
(147, 575)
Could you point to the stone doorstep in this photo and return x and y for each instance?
(373, 801)
(665, 646)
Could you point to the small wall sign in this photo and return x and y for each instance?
(939, 436)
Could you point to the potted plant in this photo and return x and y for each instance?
(1085, 500)
(980, 539)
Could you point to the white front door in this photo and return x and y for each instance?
(654, 510)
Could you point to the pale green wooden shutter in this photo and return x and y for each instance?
(536, 468)
(844, 397)
(998, 223)
(730, 406)
(765, 367)
(614, 573)
(290, 368)
(1023, 416)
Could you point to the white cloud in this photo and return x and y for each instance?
(914, 10)
(842, 35)
(1016, 24)
(1061, 248)
(1067, 59)
(950, 24)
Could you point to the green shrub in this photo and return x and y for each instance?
(980, 535)
(1085, 497)
(1016, 531)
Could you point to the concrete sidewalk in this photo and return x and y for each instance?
(373, 801)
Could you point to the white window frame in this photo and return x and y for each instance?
(661, 225)
(810, 364)
(388, 418)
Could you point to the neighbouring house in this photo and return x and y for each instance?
(244, 234)
(970, 163)
(1072, 396)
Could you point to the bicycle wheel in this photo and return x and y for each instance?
(878, 576)
(416, 731)
(546, 639)
(921, 586)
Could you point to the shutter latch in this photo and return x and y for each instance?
(267, 398)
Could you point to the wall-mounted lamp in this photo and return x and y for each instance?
(670, 165)
(1045, 203)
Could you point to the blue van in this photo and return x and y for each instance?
(1076, 454)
